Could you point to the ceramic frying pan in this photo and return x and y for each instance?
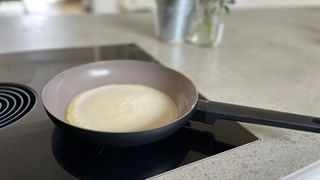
(60, 90)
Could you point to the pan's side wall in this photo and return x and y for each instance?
(120, 139)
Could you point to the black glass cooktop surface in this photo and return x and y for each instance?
(33, 148)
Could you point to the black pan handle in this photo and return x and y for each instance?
(209, 112)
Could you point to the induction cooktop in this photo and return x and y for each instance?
(31, 147)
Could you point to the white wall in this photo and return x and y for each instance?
(275, 3)
(118, 6)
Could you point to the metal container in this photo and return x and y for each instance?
(172, 19)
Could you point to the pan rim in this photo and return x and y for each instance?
(120, 60)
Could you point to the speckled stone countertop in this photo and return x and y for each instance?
(268, 59)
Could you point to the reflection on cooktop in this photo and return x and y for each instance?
(87, 161)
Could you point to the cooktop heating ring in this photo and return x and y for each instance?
(16, 101)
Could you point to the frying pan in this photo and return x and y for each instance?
(60, 90)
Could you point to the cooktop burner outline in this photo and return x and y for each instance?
(17, 100)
